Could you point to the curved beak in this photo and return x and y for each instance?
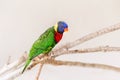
(66, 30)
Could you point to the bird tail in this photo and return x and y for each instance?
(26, 64)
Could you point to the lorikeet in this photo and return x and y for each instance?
(46, 41)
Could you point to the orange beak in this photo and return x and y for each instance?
(66, 29)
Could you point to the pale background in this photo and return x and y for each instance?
(22, 21)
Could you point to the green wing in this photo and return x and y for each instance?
(44, 44)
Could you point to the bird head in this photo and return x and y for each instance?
(61, 27)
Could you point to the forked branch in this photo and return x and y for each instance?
(14, 69)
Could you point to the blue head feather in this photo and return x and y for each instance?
(61, 26)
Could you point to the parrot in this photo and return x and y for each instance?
(47, 41)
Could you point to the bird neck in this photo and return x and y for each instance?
(57, 36)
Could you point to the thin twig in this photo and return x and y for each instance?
(8, 61)
(89, 50)
(39, 71)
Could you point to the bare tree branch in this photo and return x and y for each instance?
(83, 51)
(79, 64)
(94, 35)
(86, 38)
(13, 65)
(39, 71)
(90, 50)
(14, 69)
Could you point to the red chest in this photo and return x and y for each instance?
(57, 37)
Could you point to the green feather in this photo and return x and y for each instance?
(26, 64)
(42, 45)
